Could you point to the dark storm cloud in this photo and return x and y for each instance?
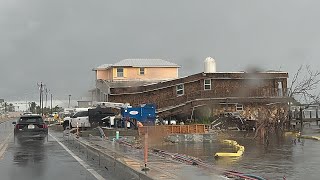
(59, 42)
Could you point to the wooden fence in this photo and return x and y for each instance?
(173, 129)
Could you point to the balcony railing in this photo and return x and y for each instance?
(264, 93)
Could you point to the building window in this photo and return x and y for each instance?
(119, 72)
(207, 84)
(239, 107)
(180, 89)
(141, 71)
(280, 92)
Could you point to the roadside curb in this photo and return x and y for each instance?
(6, 120)
(125, 168)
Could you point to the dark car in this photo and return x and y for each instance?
(30, 127)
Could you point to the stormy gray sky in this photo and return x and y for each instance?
(58, 42)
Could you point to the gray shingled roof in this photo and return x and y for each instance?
(145, 63)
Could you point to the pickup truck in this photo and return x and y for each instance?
(79, 119)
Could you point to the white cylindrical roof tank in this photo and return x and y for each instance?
(210, 65)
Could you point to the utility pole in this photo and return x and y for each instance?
(69, 101)
(40, 89)
(46, 97)
(317, 115)
(51, 103)
(301, 119)
(42, 101)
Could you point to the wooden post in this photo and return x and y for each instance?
(188, 129)
(146, 149)
(145, 168)
(77, 129)
(180, 130)
(196, 129)
(317, 116)
(301, 120)
(310, 115)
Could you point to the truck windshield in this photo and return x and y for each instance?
(82, 114)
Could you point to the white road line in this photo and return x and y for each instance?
(5, 141)
(4, 146)
(84, 164)
(3, 151)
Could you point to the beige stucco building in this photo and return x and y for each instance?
(132, 72)
(138, 70)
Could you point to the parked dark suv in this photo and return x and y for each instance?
(30, 127)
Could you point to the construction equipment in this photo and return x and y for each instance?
(145, 113)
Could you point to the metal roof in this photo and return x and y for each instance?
(103, 67)
(145, 63)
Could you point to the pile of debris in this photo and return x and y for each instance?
(233, 121)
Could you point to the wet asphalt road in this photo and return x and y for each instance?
(37, 161)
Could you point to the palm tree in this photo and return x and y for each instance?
(5, 106)
(33, 107)
(11, 107)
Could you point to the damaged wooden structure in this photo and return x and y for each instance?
(209, 94)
